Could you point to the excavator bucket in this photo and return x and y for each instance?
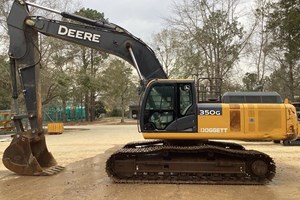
(29, 156)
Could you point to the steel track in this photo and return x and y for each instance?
(145, 154)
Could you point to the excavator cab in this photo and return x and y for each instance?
(169, 106)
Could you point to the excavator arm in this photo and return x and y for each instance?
(28, 154)
(106, 37)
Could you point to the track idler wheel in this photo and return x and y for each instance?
(259, 168)
(27, 155)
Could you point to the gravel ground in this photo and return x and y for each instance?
(83, 150)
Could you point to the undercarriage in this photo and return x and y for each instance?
(291, 143)
(206, 163)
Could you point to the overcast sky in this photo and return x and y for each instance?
(142, 18)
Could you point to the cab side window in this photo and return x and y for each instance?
(186, 100)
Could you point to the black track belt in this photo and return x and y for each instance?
(253, 167)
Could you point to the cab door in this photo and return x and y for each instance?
(169, 106)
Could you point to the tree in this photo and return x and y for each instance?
(56, 60)
(250, 81)
(260, 52)
(166, 46)
(99, 108)
(284, 24)
(90, 65)
(62, 76)
(276, 82)
(5, 88)
(51, 50)
(212, 38)
(118, 86)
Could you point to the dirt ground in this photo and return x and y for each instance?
(83, 150)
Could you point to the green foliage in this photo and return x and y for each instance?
(99, 108)
(223, 38)
(117, 80)
(231, 86)
(277, 82)
(89, 61)
(115, 113)
(91, 14)
(284, 24)
(118, 86)
(250, 81)
(57, 71)
(5, 87)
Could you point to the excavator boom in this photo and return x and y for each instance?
(101, 36)
(28, 154)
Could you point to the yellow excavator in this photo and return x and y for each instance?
(182, 150)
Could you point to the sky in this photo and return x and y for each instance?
(142, 18)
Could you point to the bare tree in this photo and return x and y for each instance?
(166, 45)
(211, 35)
(4, 11)
(260, 51)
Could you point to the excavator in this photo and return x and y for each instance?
(185, 139)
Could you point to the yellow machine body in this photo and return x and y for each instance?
(241, 122)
